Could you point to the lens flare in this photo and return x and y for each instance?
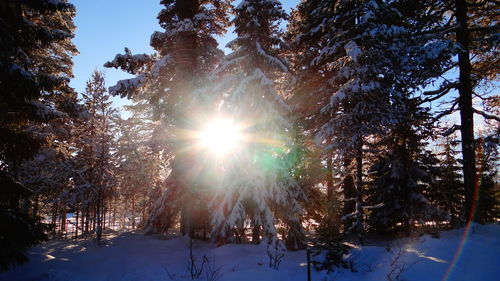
(220, 137)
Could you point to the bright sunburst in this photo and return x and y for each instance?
(220, 136)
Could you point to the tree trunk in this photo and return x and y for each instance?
(349, 191)
(133, 212)
(54, 220)
(143, 216)
(76, 222)
(124, 214)
(94, 218)
(359, 188)
(185, 58)
(466, 112)
(36, 205)
(256, 233)
(329, 178)
(329, 192)
(114, 215)
(63, 223)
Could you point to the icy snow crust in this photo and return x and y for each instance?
(132, 256)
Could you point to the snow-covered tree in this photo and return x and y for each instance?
(356, 51)
(403, 173)
(447, 193)
(309, 94)
(366, 58)
(141, 169)
(472, 29)
(257, 185)
(94, 180)
(35, 67)
(185, 52)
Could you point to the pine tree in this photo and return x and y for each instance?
(35, 64)
(95, 180)
(257, 184)
(141, 169)
(471, 28)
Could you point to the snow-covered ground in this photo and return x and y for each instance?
(132, 256)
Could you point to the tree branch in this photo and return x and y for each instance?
(446, 112)
(439, 93)
(451, 130)
(486, 115)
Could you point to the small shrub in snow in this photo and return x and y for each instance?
(197, 270)
(399, 267)
(330, 256)
(275, 251)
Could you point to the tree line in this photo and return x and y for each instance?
(343, 109)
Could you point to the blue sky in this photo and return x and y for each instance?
(105, 27)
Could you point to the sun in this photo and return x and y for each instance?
(220, 136)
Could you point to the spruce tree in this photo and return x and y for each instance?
(448, 192)
(185, 52)
(352, 48)
(257, 184)
(488, 195)
(404, 173)
(35, 65)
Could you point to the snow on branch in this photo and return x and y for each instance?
(272, 60)
(352, 50)
(124, 87)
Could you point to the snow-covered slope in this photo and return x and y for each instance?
(130, 256)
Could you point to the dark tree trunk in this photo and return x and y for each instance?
(466, 112)
(329, 179)
(63, 223)
(349, 191)
(133, 212)
(143, 216)
(36, 205)
(333, 219)
(124, 214)
(54, 220)
(185, 58)
(256, 234)
(359, 188)
(114, 215)
(76, 222)
(94, 218)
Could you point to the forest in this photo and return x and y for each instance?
(337, 123)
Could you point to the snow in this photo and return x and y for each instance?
(352, 50)
(132, 256)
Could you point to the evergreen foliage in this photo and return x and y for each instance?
(404, 174)
(165, 81)
(335, 119)
(35, 67)
(257, 184)
(447, 193)
(488, 195)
